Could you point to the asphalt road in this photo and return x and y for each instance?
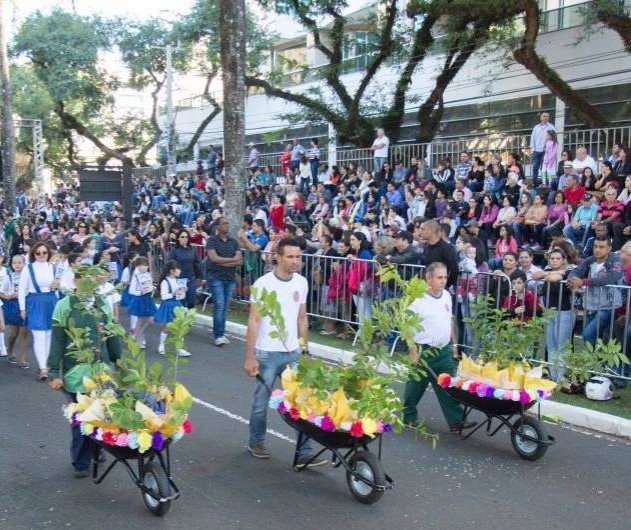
(583, 481)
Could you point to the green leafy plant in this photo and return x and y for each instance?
(368, 379)
(582, 364)
(501, 339)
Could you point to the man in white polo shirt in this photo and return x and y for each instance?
(438, 333)
(380, 149)
(268, 356)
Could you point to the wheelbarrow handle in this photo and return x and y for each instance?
(262, 381)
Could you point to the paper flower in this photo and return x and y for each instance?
(524, 398)
(187, 426)
(294, 414)
(282, 408)
(177, 436)
(318, 421)
(121, 440)
(157, 442)
(379, 426)
(357, 430)
(132, 440)
(444, 380)
(327, 424)
(144, 441)
(109, 438)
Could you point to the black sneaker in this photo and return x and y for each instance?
(81, 473)
(457, 428)
(258, 450)
(300, 463)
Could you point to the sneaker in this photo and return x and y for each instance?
(3, 353)
(536, 246)
(42, 375)
(258, 450)
(142, 342)
(183, 353)
(327, 332)
(161, 349)
(12, 359)
(525, 245)
(220, 341)
(457, 428)
(81, 473)
(304, 459)
(24, 366)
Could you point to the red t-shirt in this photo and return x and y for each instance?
(574, 196)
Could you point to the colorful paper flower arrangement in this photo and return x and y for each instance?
(517, 382)
(106, 413)
(333, 413)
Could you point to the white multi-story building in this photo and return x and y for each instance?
(485, 97)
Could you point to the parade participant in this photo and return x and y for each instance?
(171, 295)
(438, 333)
(141, 306)
(11, 310)
(37, 298)
(71, 311)
(224, 256)
(268, 357)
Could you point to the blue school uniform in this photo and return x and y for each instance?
(11, 308)
(39, 306)
(165, 313)
(141, 305)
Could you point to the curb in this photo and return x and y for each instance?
(577, 416)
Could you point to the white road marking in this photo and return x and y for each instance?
(238, 418)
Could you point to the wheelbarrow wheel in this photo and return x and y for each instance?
(154, 479)
(366, 465)
(529, 449)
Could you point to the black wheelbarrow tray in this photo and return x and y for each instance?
(529, 436)
(153, 475)
(365, 475)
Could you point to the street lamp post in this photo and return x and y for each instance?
(171, 159)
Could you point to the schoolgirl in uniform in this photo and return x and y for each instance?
(11, 309)
(37, 297)
(171, 294)
(141, 306)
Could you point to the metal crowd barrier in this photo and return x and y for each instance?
(330, 299)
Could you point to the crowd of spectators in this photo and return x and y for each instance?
(562, 231)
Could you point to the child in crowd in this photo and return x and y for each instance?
(171, 294)
(11, 311)
(141, 307)
(548, 169)
(521, 305)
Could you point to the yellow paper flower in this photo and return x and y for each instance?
(339, 410)
(369, 426)
(144, 441)
(89, 383)
(89, 429)
(180, 393)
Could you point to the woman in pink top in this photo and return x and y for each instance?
(505, 243)
(548, 169)
(488, 216)
(557, 217)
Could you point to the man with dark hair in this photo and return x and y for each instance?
(596, 273)
(224, 256)
(439, 250)
(268, 356)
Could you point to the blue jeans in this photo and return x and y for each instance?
(596, 325)
(558, 333)
(379, 161)
(222, 291)
(81, 447)
(271, 366)
(577, 236)
(537, 161)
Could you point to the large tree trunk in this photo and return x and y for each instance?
(232, 49)
(7, 133)
(527, 56)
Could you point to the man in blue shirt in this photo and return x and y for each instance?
(394, 196)
(464, 167)
(296, 152)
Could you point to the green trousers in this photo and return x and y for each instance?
(442, 362)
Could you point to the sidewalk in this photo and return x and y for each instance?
(577, 416)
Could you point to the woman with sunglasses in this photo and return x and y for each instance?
(188, 258)
(82, 234)
(37, 297)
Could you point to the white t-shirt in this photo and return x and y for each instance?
(435, 316)
(290, 295)
(382, 152)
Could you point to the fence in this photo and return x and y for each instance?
(598, 143)
(342, 291)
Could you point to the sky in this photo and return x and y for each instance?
(143, 9)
